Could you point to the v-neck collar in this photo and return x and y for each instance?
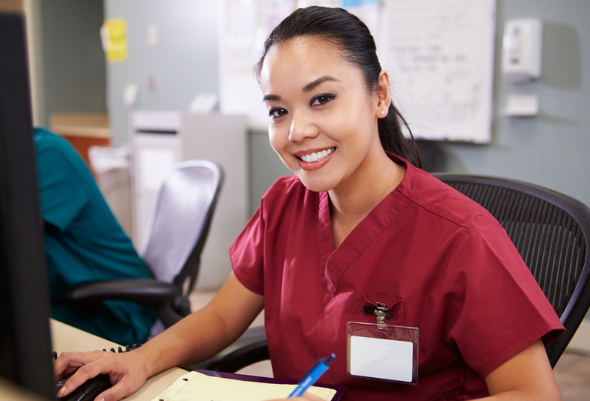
(337, 261)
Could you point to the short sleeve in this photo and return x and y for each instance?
(498, 309)
(247, 254)
(62, 194)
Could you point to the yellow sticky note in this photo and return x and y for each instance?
(115, 39)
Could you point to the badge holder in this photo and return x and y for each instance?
(380, 351)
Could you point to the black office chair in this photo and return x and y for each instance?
(550, 230)
(176, 237)
(552, 233)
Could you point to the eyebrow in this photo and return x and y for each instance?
(310, 86)
(307, 88)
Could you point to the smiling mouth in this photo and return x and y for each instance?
(316, 156)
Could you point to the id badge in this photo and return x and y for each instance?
(382, 352)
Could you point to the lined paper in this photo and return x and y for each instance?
(195, 386)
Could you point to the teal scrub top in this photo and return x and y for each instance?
(84, 242)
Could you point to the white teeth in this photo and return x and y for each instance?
(317, 156)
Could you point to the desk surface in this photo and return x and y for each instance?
(68, 338)
(94, 125)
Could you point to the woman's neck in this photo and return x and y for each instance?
(350, 204)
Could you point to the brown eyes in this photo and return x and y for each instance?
(277, 112)
(319, 100)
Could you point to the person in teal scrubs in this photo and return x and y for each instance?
(84, 242)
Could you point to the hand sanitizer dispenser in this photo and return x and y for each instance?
(521, 50)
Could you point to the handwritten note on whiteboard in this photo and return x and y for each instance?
(439, 55)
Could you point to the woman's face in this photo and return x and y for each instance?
(322, 121)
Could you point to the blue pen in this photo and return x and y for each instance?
(312, 375)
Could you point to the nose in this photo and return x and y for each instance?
(301, 128)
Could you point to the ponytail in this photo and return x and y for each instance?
(393, 139)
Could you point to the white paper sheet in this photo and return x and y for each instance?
(195, 386)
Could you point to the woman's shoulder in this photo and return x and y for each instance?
(431, 194)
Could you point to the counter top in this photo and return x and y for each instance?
(95, 125)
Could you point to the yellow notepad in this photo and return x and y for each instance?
(195, 386)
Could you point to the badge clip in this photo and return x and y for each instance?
(381, 312)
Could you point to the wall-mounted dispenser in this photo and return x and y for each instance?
(521, 62)
(521, 49)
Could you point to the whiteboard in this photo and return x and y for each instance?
(438, 53)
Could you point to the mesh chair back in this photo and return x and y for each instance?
(552, 233)
(180, 222)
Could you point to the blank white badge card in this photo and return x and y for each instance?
(382, 358)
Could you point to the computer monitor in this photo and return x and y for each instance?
(25, 342)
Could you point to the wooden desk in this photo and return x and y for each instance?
(68, 338)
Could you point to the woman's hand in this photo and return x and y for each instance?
(127, 371)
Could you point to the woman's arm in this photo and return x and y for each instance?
(527, 376)
(195, 338)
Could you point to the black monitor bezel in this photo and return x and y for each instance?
(25, 347)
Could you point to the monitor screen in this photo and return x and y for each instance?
(25, 343)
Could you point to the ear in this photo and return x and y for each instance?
(383, 95)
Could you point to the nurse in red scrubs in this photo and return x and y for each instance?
(359, 227)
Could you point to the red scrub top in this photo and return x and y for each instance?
(437, 259)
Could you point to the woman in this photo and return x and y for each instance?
(358, 225)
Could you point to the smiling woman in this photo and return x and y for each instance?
(317, 103)
(360, 253)
(358, 49)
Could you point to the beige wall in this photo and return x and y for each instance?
(27, 9)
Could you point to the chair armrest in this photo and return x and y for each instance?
(143, 291)
(250, 348)
(244, 356)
